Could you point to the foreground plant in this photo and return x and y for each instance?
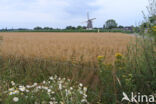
(55, 90)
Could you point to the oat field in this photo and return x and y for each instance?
(64, 46)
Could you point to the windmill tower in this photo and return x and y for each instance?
(89, 22)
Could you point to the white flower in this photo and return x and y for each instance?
(44, 82)
(51, 78)
(80, 84)
(35, 84)
(51, 102)
(13, 83)
(15, 99)
(27, 90)
(39, 87)
(16, 92)
(53, 99)
(71, 88)
(59, 78)
(85, 89)
(11, 89)
(49, 90)
(11, 93)
(84, 101)
(28, 86)
(60, 86)
(22, 88)
(45, 88)
(53, 92)
(84, 96)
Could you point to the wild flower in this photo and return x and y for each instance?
(35, 84)
(100, 58)
(154, 28)
(15, 99)
(71, 88)
(85, 89)
(49, 90)
(55, 90)
(51, 102)
(51, 78)
(60, 86)
(22, 88)
(81, 85)
(44, 82)
(84, 101)
(12, 83)
(118, 55)
(11, 89)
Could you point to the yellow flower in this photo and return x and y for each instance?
(100, 58)
(154, 28)
(118, 55)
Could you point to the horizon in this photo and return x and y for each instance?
(59, 14)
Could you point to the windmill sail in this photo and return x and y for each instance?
(89, 22)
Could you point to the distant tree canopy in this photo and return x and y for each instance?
(47, 28)
(70, 28)
(110, 24)
(150, 23)
(152, 19)
(121, 26)
(38, 28)
(79, 27)
(75, 28)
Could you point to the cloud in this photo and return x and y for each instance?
(37, 12)
(60, 13)
(125, 12)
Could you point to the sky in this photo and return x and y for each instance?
(62, 13)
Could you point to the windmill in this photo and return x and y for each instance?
(89, 22)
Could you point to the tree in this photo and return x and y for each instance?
(121, 26)
(38, 28)
(70, 28)
(111, 24)
(48, 28)
(104, 26)
(79, 27)
(152, 19)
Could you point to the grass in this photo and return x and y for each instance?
(98, 60)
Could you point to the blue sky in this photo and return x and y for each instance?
(61, 13)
